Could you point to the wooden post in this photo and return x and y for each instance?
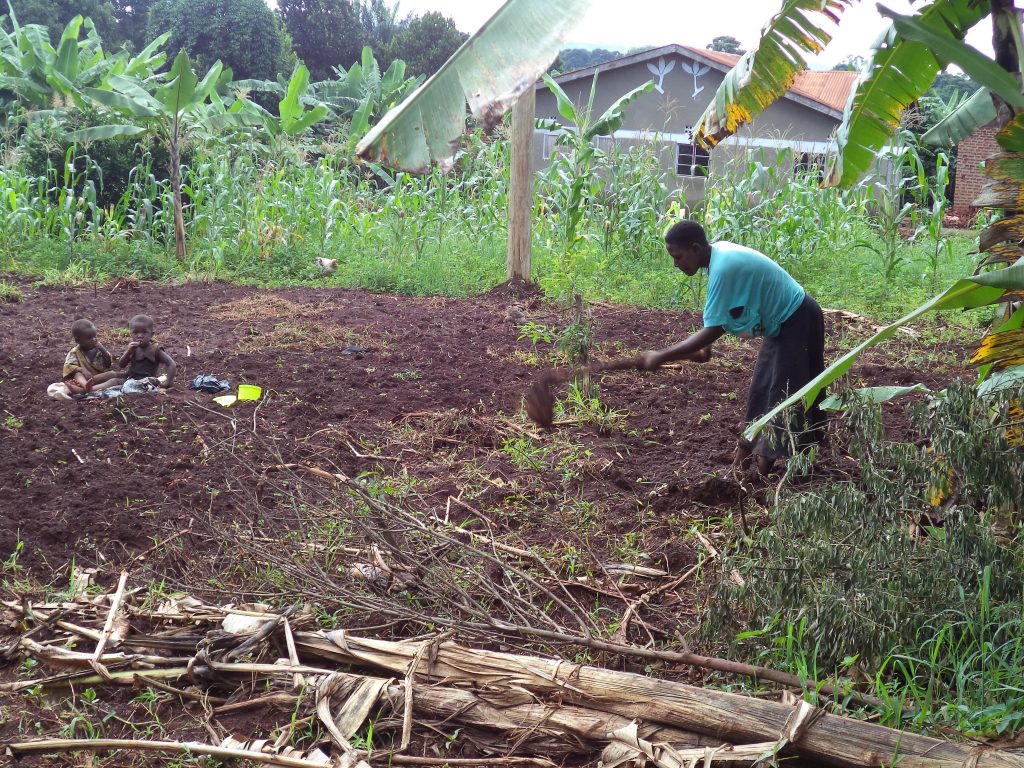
(520, 193)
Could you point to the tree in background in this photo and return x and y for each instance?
(244, 34)
(948, 84)
(850, 63)
(425, 43)
(132, 17)
(726, 44)
(578, 58)
(325, 33)
(381, 23)
(55, 14)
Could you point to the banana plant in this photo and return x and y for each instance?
(488, 72)
(34, 72)
(179, 105)
(363, 94)
(975, 111)
(360, 94)
(294, 112)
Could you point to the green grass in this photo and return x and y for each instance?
(848, 280)
(10, 293)
(446, 234)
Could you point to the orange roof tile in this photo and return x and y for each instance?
(831, 88)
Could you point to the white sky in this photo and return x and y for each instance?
(620, 25)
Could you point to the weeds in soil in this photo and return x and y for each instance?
(10, 293)
(882, 577)
(537, 333)
(576, 340)
(582, 405)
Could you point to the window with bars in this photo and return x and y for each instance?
(692, 160)
(810, 164)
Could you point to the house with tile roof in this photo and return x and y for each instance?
(685, 78)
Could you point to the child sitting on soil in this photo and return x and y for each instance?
(87, 365)
(144, 355)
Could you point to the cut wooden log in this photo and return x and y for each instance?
(726, 716)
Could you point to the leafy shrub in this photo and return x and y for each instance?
(868, 563)
(110, 165)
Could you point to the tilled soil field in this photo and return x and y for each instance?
(433, 402)
(420, 400)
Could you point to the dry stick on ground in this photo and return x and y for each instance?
(203, 698)
(402, 524)
(727, 716)
(486, 623)
(586, 638)
(108, 626)
(164, 747)
(42, 622)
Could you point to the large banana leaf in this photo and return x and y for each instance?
(491, 69)
(181, 85)
(103, 132)
(763, 75)
(295, 118)
(899, 72)
(952, 50)
(969, 292)
(122, 103)
(976, 111)
(148, 60)
(67, 63)
(873, 395)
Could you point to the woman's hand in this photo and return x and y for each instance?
(649, 361)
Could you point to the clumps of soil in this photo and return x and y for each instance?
(516, 288)
(715, 491)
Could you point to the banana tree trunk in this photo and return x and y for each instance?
(174, 148)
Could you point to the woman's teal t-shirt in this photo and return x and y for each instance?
(748, 294)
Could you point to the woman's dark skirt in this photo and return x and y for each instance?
(786, 363)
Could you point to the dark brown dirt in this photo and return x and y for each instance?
(98, 481)
(431, 405)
